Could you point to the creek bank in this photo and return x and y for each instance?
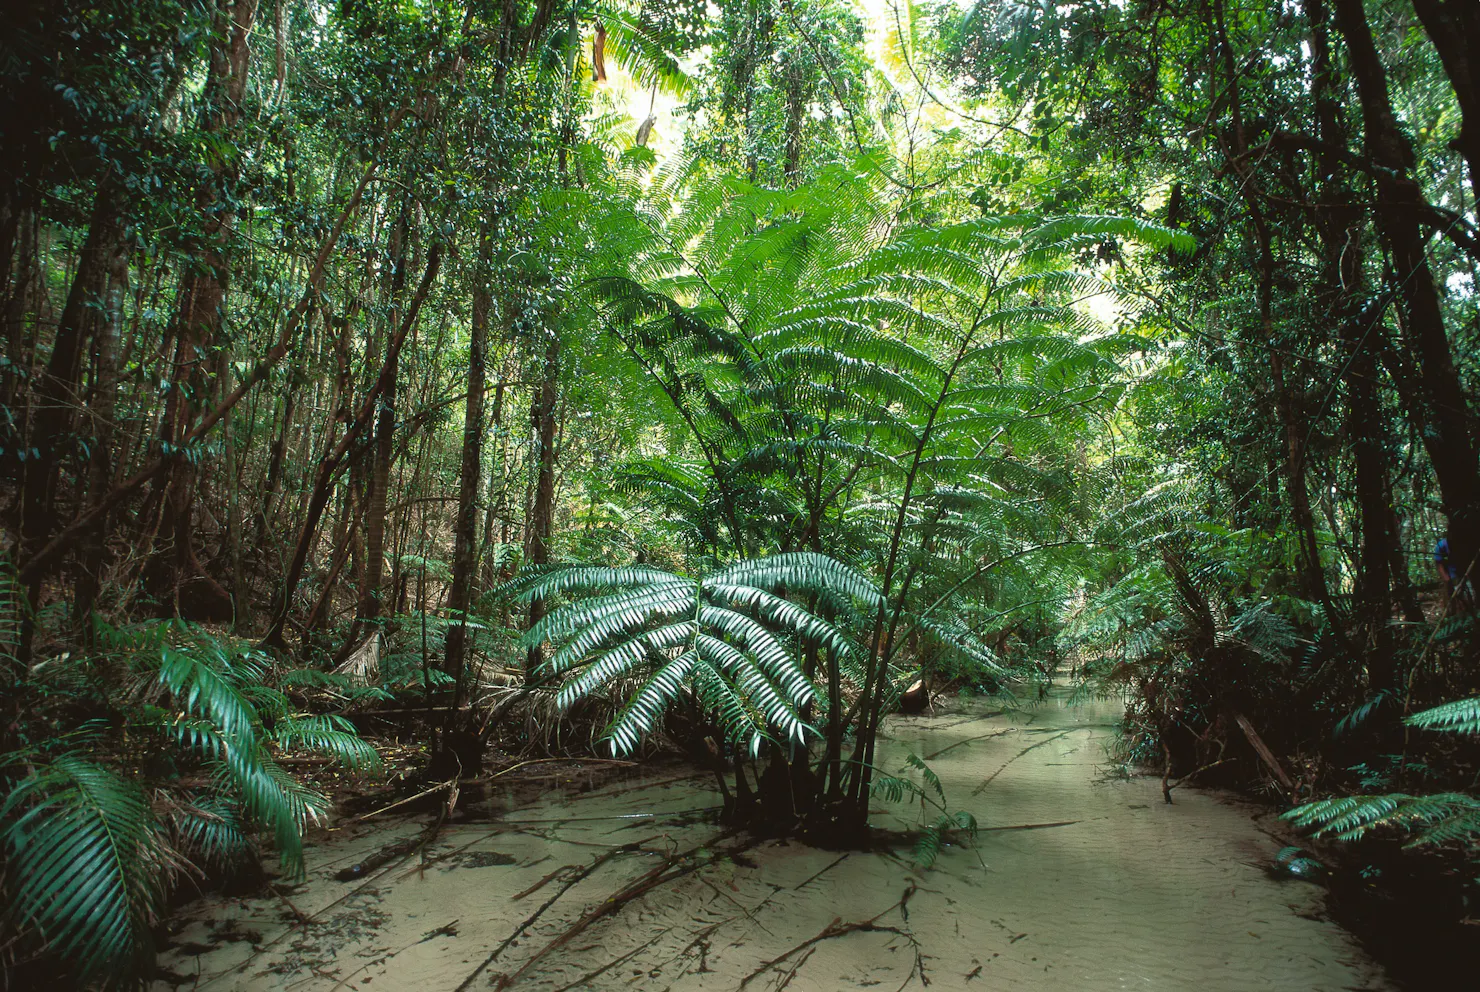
(1077, 881)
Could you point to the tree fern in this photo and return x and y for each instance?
(725, 636)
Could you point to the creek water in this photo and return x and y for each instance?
(1078, 881)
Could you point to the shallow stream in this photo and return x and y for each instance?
(1078, 881)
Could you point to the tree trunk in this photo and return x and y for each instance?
(101, 409)
(329, 465)
(177, 574)
(497, 506)
(540, 522)
(1454, 28)
(382, 455)
(58, 393)
(1343, 284)
(1439, 398)
(470, 476)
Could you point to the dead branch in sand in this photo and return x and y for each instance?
(1030, 826)
(1048, 740)
(979, 737)
(613, 964)
(571, 882)
(449, 784)
(544, 761)
(837, 928)
(673, 868)
(822, 871)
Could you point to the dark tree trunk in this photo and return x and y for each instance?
(382, 454)
(1454, 28)
(1438, 400)
(497, 509)
(470, 475)
(1343, 285)
(101, 409)
(330, 464)
(58, 394)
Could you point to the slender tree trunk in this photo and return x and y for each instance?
(470, 476)
(1343, 284)
(539, 524)
(497, 499)
(58, 394)
(22, 278)
(795, 107)
(179, 575)
(330, 464)
(102, 408)
(382, 455)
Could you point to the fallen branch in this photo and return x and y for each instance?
(1031, 826)
(1048, 740)
(820, 872)
(449, 784)
(612, 964)
(543, 761)
(1265, 754)
(837, 928)
(796, 968)
(667, 872)
(543, 882)
(1204, 768)
(979, 737)
(529, 921)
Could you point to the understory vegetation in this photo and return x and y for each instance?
(616, 376)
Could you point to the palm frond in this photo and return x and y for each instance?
(81, 851)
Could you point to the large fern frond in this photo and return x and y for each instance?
(82, 864)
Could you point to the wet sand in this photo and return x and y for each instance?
(1127, 893)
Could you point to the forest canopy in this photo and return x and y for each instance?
(716, 375)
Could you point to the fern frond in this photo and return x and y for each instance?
(1462, 716)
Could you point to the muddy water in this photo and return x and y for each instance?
(1110, 889)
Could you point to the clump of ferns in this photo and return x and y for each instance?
(939, 825)
(1432, 820)
(180, 776)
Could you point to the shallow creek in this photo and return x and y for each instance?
(1113, 890)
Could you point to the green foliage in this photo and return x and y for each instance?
(940, 822)
(92, 844)
(1441, 818)
(1460, 717)
(727, 637)
(84, 864)
(1436, 819)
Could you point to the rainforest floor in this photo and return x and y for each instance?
(1081, 878)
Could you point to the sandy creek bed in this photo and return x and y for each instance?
(1132, 895)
